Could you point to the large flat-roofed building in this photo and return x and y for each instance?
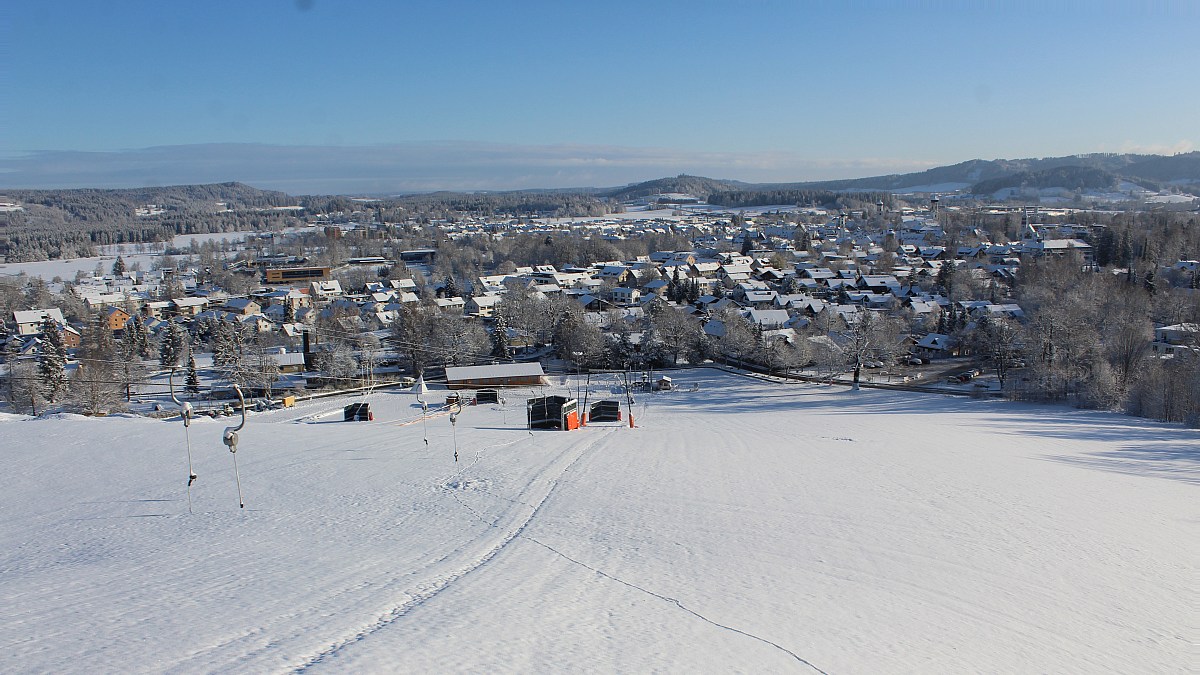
(295, 275)
(501, 375)
(419, 255)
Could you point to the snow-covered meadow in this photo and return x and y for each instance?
(143, 255)
(743, 526)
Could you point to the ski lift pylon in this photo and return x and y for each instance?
(230, 439)
(185, 411)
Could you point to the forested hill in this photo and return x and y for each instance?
(95, 204)
(697, 186)
(1066, 177)
(977, 176)
(71, 223)
(980, 176)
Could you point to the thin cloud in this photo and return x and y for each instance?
(423, 166)
(1158, 148)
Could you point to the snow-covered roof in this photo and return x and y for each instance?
(502, 370)
(38, 315)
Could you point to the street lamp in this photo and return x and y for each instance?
(578, 357)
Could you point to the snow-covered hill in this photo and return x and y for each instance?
(743, 526)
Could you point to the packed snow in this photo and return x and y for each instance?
(739, 526)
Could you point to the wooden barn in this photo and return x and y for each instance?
(500, 375)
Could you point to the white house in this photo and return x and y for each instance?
(29, 322)
(1168, 340)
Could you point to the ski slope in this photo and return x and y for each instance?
(744, 526)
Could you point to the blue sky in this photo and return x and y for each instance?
(611, 92)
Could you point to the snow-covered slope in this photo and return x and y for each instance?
(743, 526)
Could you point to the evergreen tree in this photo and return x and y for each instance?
(52, 361)
(1125, 250)
(945, 277)
(98, 343)
(8, 351)
(500, 346)
(673, 293)
(227, 347)
(139, 338)
(1107, 249)
(118, 267)
(5, 335)
(171, 345)
(192, 383)
(802, 239)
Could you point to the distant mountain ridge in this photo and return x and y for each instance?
(976, 176)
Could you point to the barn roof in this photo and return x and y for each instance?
(461, 373)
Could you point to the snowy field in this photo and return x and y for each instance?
(741, 527)
(66, 269)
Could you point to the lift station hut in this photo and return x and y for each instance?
(553, 412)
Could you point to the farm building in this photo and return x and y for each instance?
(500, 375)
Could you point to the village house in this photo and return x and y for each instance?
(156, 308)
(454, 305)
(189, 307)
(242, 306)
(483, 306)
(99, 301)
(935, 345)
(116, 318)
(1169, 340)
(623, 296)
(325, 290)
(289, 362)
(29, 322)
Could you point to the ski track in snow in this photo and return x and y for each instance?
(540, 489)
(677, 603)
(636, 587)
(417, 592)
